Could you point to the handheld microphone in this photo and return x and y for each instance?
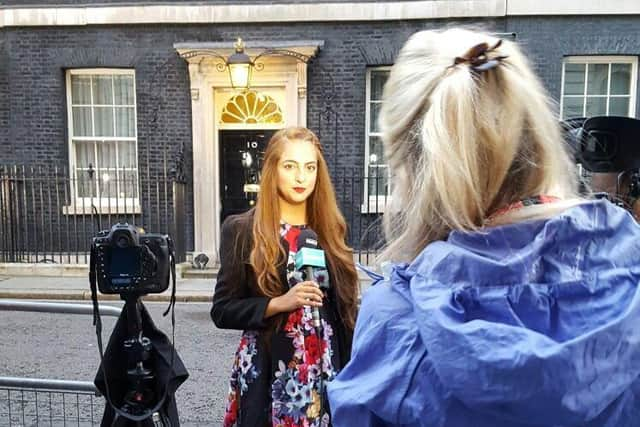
(308, 258)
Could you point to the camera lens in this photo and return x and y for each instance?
(122, 242)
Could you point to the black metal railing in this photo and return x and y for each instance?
(362, 198)
(49, 214)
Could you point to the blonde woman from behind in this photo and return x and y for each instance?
(511, 301)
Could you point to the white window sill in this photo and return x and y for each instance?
(101, 210)
(376, 205)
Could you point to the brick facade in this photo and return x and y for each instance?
(33, 61)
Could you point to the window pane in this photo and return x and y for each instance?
(85, 154)
(123, 88)
(107, 155)
(374, 113)
(102, 90)
(574, 79)
(376, 151)
(127, 154)
(109, 112)
(572, 107)
(128, 183)
(125, 123)
(103, 117)
(620, 79)
(378, 181)
(107, 183)
(378, 79)
(80, 89)
(86, 185)
(619, 106)
(82, 121)
(598, 79)
(596, 106)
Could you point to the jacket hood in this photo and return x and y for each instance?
(535, 322)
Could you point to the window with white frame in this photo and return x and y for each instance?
(103, 135)
(599, 86)
(376, 170)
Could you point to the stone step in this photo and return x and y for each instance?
(194, 273)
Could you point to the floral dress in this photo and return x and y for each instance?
(282, 383)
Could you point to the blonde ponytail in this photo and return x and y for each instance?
(461, 142)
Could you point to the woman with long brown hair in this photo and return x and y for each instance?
(282, 362)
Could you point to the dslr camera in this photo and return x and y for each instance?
(129, 261)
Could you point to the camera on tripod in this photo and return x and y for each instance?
(137, 371)
(130, 261)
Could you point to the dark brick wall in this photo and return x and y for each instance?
(36, 98)
(6, 154)
(34, 61)
(549, 39)
(39, 56)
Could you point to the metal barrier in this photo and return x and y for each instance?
(35, 402)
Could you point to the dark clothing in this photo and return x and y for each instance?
(275, 375)
(115, 362)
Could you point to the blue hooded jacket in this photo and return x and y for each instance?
(530, 324)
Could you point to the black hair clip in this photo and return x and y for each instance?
(478, 59)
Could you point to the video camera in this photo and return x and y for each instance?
(608, 145)
(130, 261)
(605, 144)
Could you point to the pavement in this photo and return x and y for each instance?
(77, 288)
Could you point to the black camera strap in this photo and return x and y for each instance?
(172, 263)
(97, 321)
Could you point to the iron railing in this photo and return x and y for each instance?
(362, 199)
(49, 214)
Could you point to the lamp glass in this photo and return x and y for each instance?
(240, 75)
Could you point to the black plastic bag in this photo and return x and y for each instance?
(159, 362)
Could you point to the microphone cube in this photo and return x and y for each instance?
(309, 257)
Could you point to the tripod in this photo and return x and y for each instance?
(140, 394)
(138, 350)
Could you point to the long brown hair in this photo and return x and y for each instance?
(323, 216)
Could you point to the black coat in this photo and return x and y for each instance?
(115, 362)
(237, 301)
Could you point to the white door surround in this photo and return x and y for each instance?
(283, 77)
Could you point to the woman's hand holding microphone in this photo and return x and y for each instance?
(302, 294)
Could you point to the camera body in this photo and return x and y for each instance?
(129, 261)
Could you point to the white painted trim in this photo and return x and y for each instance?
(253, 47)
(370, 203)
(207, 83)
(84, 206)
(254, 13)
(572, 7)
(110, 204)
(93, 71)
(307, 12)
(602, 59)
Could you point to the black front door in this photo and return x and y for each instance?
(241, 154)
